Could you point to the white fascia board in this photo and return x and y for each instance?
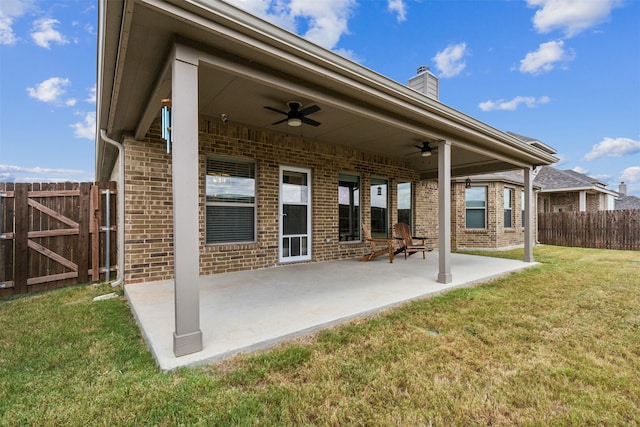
(577, 189)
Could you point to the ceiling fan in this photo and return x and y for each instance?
(425, 149)
(296, 116)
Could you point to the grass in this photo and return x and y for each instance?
(556, 344)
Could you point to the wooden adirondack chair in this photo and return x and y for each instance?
(403, 233)
(378, 246)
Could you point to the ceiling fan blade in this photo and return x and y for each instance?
(309, 121)
(309, 110)
(276, 110)
(280, 121)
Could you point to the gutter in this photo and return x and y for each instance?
(120, 233)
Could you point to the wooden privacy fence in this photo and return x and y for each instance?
(55, 235)
(602, 229)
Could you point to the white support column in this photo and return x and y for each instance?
(187, 337)
(444, 212)
(583, 201)
(528, 215)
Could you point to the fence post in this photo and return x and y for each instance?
(95, 227)
(21, 255)
(83, 232)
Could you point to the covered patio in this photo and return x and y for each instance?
(252, 310)
(226, 75)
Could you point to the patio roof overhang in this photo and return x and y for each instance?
(247, 64)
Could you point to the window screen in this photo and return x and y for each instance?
(231, 201)
(508, 208)
(476, 206)
(349, 207)
(405, 204)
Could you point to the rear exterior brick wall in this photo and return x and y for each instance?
(149, 205)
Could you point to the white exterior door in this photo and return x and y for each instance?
(295, 214)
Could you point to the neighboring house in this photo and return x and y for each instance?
(624, 202)
(249, 181)
(569, 191)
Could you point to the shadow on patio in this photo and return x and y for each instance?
(252, 310)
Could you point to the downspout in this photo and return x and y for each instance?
(120, 232)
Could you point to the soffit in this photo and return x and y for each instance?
(360, 114)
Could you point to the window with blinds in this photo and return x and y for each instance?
(230, 200)
(476, 207)
(508, 207)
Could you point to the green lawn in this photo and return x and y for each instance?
(557, 344)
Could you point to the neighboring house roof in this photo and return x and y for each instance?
(555, 180)
(627, 202)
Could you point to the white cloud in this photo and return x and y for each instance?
(562, 159)
(450, 61)
(92, 95)
(570, 16)
(43, 33)
(349, 54)
(580, 170)
(613, 147)
(87, 128)
(9, 11)
(545, 58)
(513, 104)
(399, 8)
(324, 21)
(13, 173)
(631, 174)
(50, 90)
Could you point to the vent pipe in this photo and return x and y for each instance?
(622, 189)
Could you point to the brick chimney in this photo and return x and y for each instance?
(425, 82)
(622, 189)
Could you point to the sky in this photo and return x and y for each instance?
(565, 72)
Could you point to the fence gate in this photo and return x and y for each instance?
(55, 235)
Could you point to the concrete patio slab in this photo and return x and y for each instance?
(252, 310)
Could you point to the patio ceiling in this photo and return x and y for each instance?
(247, 64)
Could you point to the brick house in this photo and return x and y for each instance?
(248, 179)
(571, 191)
(487, 211)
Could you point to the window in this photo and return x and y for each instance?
(405, 213)
(349, 207)
(379, 215)
(508, 207)
(476, 207)
(231, 200)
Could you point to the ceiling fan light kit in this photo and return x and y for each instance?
(296, 116)
(425, 149)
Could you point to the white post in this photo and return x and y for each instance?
(583, 201)
(187, 337)
(444, 212)
(528, 215)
